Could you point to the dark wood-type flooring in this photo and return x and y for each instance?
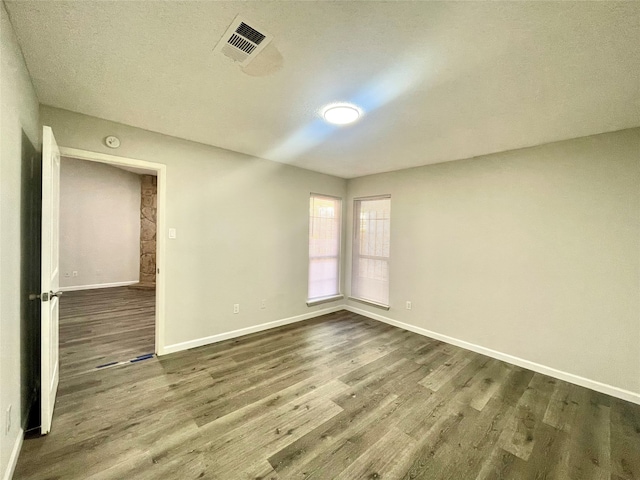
(104, 325)
(337, 397)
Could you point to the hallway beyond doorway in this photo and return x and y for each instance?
(106, 325)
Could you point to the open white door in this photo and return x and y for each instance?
(50, 276)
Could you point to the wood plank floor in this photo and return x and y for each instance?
(337, 397)
(104, 325)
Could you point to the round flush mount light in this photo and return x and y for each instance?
(341, 113)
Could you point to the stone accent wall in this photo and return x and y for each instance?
(148, 219)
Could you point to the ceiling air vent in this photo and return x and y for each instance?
(243, 41)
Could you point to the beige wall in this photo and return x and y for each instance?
(99, 224)
(242, 226)
(533, 253)
(19, 112)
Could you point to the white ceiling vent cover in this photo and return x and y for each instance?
(243, 41)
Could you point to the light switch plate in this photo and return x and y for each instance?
(172, 233)
(8, 420)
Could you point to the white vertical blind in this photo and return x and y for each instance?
(324, 246)
(371, 245)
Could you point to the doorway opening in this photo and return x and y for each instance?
(111, 213)
(49, 296)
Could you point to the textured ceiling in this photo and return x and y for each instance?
(438, 81)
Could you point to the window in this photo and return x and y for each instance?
(371, 242)
(324, 247)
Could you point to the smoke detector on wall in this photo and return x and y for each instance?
(242, 41)
(112, 141)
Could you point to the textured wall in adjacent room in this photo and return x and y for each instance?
(148, 210)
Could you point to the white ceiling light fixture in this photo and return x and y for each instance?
(341, 113)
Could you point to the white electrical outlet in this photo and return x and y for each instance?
(408, 305)
(8, 420)
(263, 304)
(236, 308)
(75, 273)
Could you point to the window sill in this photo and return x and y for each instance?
(369, 302)
(318, 301)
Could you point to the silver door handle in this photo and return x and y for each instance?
(45, 297)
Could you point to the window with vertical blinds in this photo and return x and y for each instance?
(324, 246)
(371, 245)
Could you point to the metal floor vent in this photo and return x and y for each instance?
(242, 42)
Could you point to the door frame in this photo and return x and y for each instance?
(161, 171)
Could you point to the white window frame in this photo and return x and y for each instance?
(355, 251)
(337, 296)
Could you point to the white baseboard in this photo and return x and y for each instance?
(13, 459)
(536, 367)
(98, 285)
(199, 342)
